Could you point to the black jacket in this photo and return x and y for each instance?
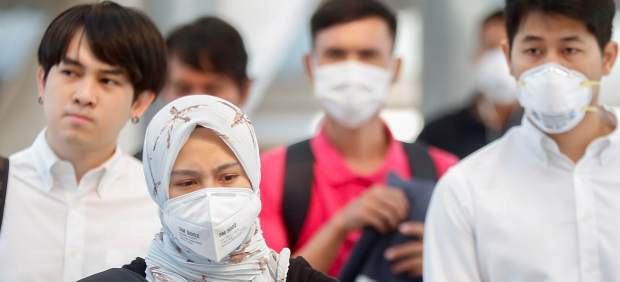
(299, 271)
(462, 132)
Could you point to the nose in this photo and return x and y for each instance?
(209, 182)
(552, 57)
(85, 94)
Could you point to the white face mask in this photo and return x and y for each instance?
(555, 98)
(493, 78)
(212, 222)
(351, 92)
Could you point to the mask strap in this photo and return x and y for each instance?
(590, 83)
(590, 109)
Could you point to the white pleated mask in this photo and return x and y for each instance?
(351, 92)
(212, 222)
(555, 98)
(493, 78)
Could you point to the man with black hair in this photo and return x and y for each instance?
(342, 174)
(541, 203)
(494, 108)
(207, 56)
(75, 203)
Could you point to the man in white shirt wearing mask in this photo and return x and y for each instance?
(493, 109)
(542, 202)
(352, 66)
(75, 203)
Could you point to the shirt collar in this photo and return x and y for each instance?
(47, 163)
(537, 141)
(328, 159)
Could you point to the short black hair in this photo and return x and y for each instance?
(596, 15)
(117, 35)
(210, 44)
(334, 12)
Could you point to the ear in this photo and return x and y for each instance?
(142, 102)
(245, 92)
(506, 48)
(308, 66)
(610, 53)
(40, 81)
(397, 67)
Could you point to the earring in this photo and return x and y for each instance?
(40, 100)
(135, 120)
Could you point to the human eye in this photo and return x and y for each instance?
(335, 54)
(532, 51)
(110, 82)
(571, 50)
(185, 182)
(228, 178)
(68, 72)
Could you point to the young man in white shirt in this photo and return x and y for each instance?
(76, 204)
(541, 203)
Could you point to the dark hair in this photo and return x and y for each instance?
(334, 12)
(596, 15)
(210, 44)
(117, 35)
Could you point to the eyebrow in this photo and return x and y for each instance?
(572, 38)
(531, 38)
(110, 71)
(194, 173)
(334, 50)
(184, 172)
(534, 38)
(73, 62)
(226, 166)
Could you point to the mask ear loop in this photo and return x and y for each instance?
(589, 84)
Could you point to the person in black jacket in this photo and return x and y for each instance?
(492, 111)
(202, 167)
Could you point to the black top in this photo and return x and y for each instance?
(459, 132)
(462, 132)
(299, 271)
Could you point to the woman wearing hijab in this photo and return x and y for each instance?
(202, 166)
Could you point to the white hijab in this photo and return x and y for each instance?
(165, 136)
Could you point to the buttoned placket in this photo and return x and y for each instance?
(585, 215)
(76, 223)
(74, 246)
(587, 226)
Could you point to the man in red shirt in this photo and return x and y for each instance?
(352, 67)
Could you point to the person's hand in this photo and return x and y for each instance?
(407, 257)
(381, 207)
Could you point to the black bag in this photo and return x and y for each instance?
(367, 258)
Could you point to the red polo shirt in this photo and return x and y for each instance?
(335, 184)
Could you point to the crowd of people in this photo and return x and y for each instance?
(518, 185)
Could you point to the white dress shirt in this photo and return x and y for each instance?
(55, 229)
(520, 210)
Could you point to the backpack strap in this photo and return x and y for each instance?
(298, 178)
(4, 179)
(421, 163)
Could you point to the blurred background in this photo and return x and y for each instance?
(436, 39)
